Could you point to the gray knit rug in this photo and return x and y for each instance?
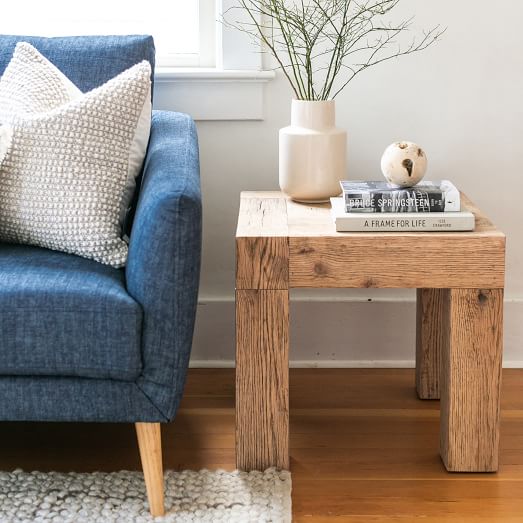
(205, 496)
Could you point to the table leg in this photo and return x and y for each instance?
(471, 380)
(262, 379)
(430, 336)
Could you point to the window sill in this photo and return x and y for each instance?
(211, 94)
(169, 74)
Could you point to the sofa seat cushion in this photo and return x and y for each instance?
(62, 315)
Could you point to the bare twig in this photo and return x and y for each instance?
(322, 45)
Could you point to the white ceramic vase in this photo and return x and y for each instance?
(312, 152)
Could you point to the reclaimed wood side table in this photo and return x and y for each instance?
(281, 244)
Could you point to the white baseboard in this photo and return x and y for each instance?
(339, 334)
(512, 364)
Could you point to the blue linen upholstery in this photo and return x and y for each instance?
(44, 398)
(89, 61)
(165, 240)
(125, 360)
(64, 300)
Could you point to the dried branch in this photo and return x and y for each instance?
(322, 45)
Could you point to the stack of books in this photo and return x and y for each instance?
(379, 206)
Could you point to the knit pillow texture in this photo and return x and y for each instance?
(68, 160)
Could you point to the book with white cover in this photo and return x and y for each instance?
(399, 222)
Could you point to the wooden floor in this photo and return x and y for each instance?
(363, 448)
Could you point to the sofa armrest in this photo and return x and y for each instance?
(163, 266)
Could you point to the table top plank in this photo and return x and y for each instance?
(316, 220)
(262, 214)
(318, 256)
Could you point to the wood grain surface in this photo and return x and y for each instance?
(150, 445)
(397, 261)
(470, 380)
(262, 246)
(430, 337)
(321, 257)
(262, 379)
(282, 244)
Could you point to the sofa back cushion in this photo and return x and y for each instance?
(89, 61)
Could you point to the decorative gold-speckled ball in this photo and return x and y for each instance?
(404, 164)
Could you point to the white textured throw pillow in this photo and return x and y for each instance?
(31, 84)
(68, 160)
(6, 135)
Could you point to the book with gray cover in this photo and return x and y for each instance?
(380, 196)
(399, 222)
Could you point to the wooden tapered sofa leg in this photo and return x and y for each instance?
(150, 444)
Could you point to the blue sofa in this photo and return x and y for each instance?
(81, 341)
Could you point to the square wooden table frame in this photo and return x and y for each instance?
(281, 245)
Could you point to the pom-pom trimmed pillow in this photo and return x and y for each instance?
(68, 160)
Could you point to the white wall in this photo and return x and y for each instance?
(462, 100)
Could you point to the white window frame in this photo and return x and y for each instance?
(208, 12)
(223, 81)
(63, 19)
(207, 16)
(231, 90)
